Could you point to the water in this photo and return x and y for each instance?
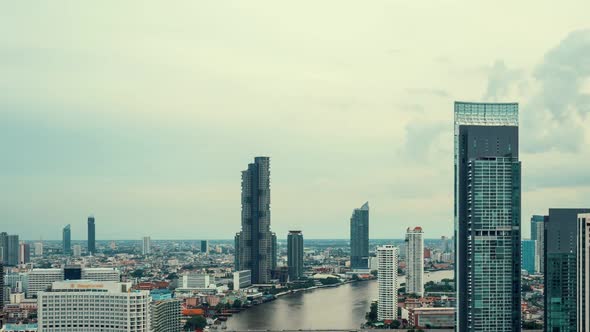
(341, 307)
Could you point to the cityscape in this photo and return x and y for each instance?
(221, 167)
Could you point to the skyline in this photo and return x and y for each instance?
(98, 120)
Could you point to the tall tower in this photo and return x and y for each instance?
(146, 247)
(67, 240)
(204, 247)
(415, 261)
(255, 240)
(487, 217)
(1, 285)
(91, 236)
(295, 254)
(359, 238)
(538, 234)
(583, 272)
(387, 278)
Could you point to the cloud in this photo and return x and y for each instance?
(428, 92)
(501, 81)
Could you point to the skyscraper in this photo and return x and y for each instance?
(1, 286)
(387, 278)
(146, 247)
(295, 254)
(487, 217)
(583, 272)
(91, 236)
(528, 251)
(67, 240)
(359, 238)
(274, 249)
(24, 253)
(4, 248)
(255, 240)
(415, 261)
(237, 252)
(204, 246)
(561, 231)
(538, 234)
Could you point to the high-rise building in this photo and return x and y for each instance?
(255, 240)
(24, 253)
(274, 251)
(67, 240)
(166, 315)
(204, 246)
(237, 252)
(91, 236)
(359, 238)
(387, 278)
(101, 274)
(528, 250)
(38, 249)
(538, 234)
(85, 305)
(295, 254)
(583, 272)
(415, 261)
(487, 217)
(9, 249)
(41, 279)
(1, 286)
(561, 228)
(146, 247)
(242, 279)
(77, 251)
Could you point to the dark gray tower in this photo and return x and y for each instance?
(295, 254)
(359, 238)
(91, 236)
(487, 217)
(67, 240)
(1, 286)
(255, 240)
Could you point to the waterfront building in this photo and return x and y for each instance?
(538, 234)
(583, 272)
(204, 246)
(432, 318)
(38, 249)
(387, 278)
(166, 315)
(295, 254)
(561, 231)
(101, 274)
(77, 251)
(41, 279)
(91, 236)
(359, 238)
(255, 248)
(24, 253)
(85, 305)
(146, 247)
(67, 240)
(487, 217)
(415, 261)
(242, 279)
(528, 249)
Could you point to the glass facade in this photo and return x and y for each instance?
(528, 255)
(295, 254)
(359, 238)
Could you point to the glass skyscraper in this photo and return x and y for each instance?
(359, 238)
(254, 244)
(487, 217)
(538, 234)
(91, 236)
(528, 255)
(67, 240)
(295, 254)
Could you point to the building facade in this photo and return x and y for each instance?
(359, 238)
(255, 239)
(41, 279)
(146, 246)
(528, 250)
(295, 254)
(583, 272)
(91, 236)
(415, 261)
(9, 249)
(538, 234)
(197, 280)
(242, 279)
(204, 247)
(24, 253)
(166, 315)
(387, 278)
(101, 274)
(67, 240)
(487, 217)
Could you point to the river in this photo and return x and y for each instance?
(341, 307)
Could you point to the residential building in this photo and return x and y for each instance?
(255, 239)
(9, 249)
(432, 318)
(67, 240)
(528, 250)
(24, 253)
(561, 282)
(487, 217)
(538, 234)
(166, 315)
(295, 254)
(91, 236)
(85, 305)
(146, 247)
(415, 261)
(274, 251)
(583, 272)
(204, 246)
(41, 279)
(359, 238)
(387, 278)
(242, 279)
(101, 274)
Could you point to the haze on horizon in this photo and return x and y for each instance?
(144, 114)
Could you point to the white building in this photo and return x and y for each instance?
(242, 279)
(101, 274)
(387, 275)
(38, 248)
(146, 248)
(197, 280)
(85, 305)
(583, 272)
(415, 261)
(41, 279)
(77, 250)
(166, 315)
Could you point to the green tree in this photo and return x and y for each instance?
(371, 316)
(195, 323)
(237, 304)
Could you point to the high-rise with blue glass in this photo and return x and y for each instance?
(528, 255)
(487, 217)
(538, 234)
(67, 240)
(359, 238)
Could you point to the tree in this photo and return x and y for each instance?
(395, 324)
(237, 304)
(371, 316)
(195, 323)
(137, 273)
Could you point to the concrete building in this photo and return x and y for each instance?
(91, 236)
(85, 305)
(255, 247)
(204, 246)
(583, 273)
(415, 261)
(432, 318)
(274, 251)
(242, 279)
(528, 250)
(24, 253)
(197, 281)
(77, 251)
(387, 278)
(166, 315)
(38, 249)
(146, 247)
(67, 240)
(41, 279)
(9, 249)
(1, 286)
(359, 238)
(538, 234)
(487, 217)
(101, 274)
(295, 254)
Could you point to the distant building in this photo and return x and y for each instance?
(274, 251)
(77, 250)
(242, 279)
(146, 247)
(101, 274)
(1, 286)
(24, 253)
(41, 279)
(255, 247)
(528, 250)
(237, 252)
(38, 249)
(387, 278)
(9, 249)
(538, 234)
(85, 305)
(91, 236)
(166, 315)
(204, 246)
(359, 238)
(583, 272)
(295, 254)
(67, 240)
(415, 261)
(432, 318)
(197, 280)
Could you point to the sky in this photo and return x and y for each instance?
(145, 113)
